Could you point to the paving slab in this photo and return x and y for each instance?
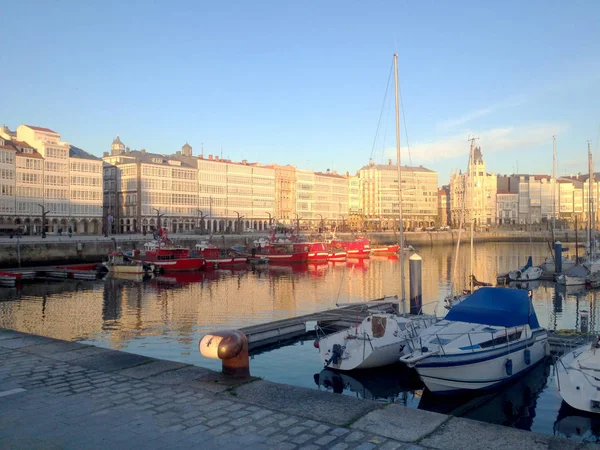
(216, 382)
(461, 434)
(400, 423)
(71, 355)
(45, 349)
(25, 340)
(180, 376)
(154, 367)
(310, 403)
(111, 361)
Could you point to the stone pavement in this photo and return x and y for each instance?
(56, 394)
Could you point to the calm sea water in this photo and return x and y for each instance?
(166, 316)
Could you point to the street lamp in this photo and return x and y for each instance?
(201, 217)
(270, 218)
(321, 216)
(297, 223)
(158, 216)
(44, 214)
(238, 221)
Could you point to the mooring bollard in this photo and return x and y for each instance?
(416, 288)
(231, 347)
(558, 257)
(585, 321)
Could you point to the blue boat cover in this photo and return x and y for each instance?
(501, 307)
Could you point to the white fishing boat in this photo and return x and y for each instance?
(526, 273)
(119, 263)
(486, 340)
(549, 266)
(578, 377)
(379, 340)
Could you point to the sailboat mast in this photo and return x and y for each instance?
(402, 287)
(591, 202)
(472, 214)
(553, 184)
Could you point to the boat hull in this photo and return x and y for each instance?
(386, 250)
(226, 262)
(568, 280)
(480, 370)
(180, 265)
(285, 258)
(576, 389)
(130, 269)
(317, 256)
(359, 253)
(339, 256)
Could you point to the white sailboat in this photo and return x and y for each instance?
(578, 377)
(580, 274)
(487, 339)
(528, 272)
(381, 338)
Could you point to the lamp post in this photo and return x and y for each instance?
(238, 221)
(201, 217)
(321, 227)
(270, 218)
(297, 223)
(158, 216)
(44, 214)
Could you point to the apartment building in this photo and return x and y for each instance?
(39, 172)
(380, 196)
(145, 190)
(507, 208)
(285, 193)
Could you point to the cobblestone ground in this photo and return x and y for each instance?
(45, 403)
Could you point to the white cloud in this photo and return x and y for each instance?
(491, 140)
(450, 124)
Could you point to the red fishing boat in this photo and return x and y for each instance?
(385, 250)
(317, 251)
(285, 253)
(217, 258)
(174, 259)
(359, 248)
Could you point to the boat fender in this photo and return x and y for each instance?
(424, 350)
(316, 343)
(527, 355)
(509, 367)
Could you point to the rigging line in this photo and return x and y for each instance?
(387, 87)
(402, 111)
(387, 123)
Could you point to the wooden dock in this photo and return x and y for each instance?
(344, 316)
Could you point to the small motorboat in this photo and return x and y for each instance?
(379, 340)
(486, 340)
(526, 273)
(120, 263)
(578, 377)
(385, 249)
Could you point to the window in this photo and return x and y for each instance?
(501, 340)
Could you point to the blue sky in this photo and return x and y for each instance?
(304, 82)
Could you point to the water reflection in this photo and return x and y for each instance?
(513, 405)
(391, 384)
(575, 424)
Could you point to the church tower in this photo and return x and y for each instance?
(186, 150)
(117, 147)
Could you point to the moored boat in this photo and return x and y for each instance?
(528, 272)
(283, 253)
(575, 276)
(486, 340)
(317, 251)
(174, 259)
(119, 263)
(215, 257)
(9, 279)
(385, 249)
(578, 377)
(379, 340)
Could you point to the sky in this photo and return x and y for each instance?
(304, 83)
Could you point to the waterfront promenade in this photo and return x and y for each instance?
(57, 394)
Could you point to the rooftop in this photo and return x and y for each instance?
(76, 152)
(395, 167)
(45, 130)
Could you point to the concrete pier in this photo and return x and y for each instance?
(56, 394)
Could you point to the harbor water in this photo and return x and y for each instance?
(166, 316)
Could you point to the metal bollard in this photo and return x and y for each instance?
(558, 257)
(416, 288)
(231, 347)
(585, 321)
